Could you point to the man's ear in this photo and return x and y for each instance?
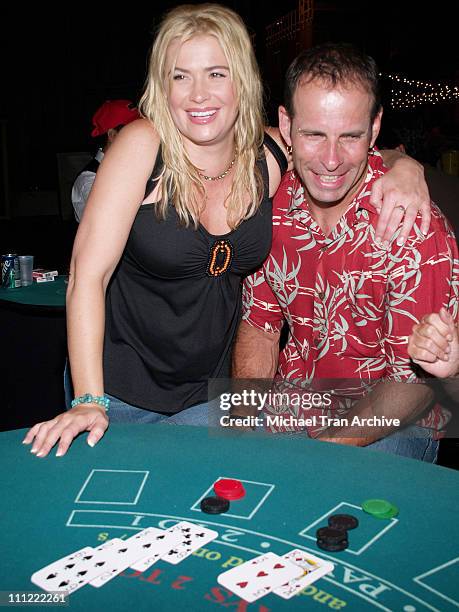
(376, 127)
(285, 125)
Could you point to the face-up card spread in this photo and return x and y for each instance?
(313, 569)
(258, 577)
(162, 543)
(192, 537)
(77, 569)
(131, 550)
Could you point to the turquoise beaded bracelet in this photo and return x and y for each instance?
(87, 398)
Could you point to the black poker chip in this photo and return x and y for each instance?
(345, 522)
(332, 547)
(330, 535)
(215, 505)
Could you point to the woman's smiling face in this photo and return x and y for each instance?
(201, 95)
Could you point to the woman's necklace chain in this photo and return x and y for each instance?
(220, 176)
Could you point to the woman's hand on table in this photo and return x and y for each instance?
(67, 426)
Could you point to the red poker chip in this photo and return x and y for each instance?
(229, 488)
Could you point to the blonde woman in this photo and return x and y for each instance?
(154, 290)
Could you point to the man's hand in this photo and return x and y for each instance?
(65, 427)
(434, 344)
(399, 195)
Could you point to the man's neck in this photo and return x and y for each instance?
(328, 218)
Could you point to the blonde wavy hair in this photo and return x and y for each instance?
(180, 181)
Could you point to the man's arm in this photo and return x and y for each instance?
(423, 276)
(255, 356)
(255, 353)
(256, 349)
(388, 408)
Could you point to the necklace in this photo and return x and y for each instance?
(220, 176)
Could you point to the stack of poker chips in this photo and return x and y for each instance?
(334, 538)
(226, 490)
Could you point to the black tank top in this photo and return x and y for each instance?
(173, 304)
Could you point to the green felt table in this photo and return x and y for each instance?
(156, 475)
(50, 294)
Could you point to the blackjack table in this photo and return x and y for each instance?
(38, 297)
(142, 476)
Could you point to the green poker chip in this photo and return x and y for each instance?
(387, 515)
(380, 508)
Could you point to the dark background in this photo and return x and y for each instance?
(61, 65)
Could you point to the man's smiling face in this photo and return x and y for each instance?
(330, 134)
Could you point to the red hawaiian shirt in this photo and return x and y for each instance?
(350, 303)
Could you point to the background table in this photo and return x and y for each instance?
(33, 348)
(139, 476)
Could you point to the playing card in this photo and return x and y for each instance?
(131, 550)
(75, 570)
(313, 569)
(192, 537)
(162, 543)
(258, 577)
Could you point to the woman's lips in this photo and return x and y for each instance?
(202, 116)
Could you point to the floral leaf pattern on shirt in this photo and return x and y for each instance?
(350, 303)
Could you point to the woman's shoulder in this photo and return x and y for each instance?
(137, 143)
(140, 131)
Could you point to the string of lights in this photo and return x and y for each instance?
(409, 93)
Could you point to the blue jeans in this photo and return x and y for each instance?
(415, 442)
(122, 412)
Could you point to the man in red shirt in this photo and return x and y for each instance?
(350, 302)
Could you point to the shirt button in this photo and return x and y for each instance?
(323, 249)
(321, 295)
(316, 342)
